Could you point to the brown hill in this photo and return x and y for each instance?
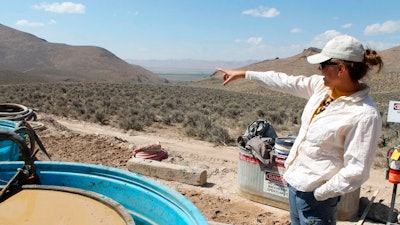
(298, 65)
(15, 77)
(390, 58)
(30, 58)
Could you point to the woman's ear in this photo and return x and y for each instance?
(342, 68)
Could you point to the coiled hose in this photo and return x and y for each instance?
(16, 112)
(152, 151)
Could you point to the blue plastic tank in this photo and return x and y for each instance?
(9, 151)
(147, 201)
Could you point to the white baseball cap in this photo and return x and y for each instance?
(342, 47)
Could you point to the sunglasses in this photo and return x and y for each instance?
(326, 63)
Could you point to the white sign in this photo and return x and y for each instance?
(275, 184)
(394, 112)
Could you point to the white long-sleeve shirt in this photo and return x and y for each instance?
(333, 152)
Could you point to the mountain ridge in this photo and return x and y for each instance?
(26, 58)
(34, 57)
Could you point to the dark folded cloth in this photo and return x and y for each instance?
(261, 148)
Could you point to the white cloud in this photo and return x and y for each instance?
(347, 25)
(26, 23)
(251, 40)
(321, 39)
(377, 45)
(387, 27)
(262, 11)
(295, 30)
(254, 40)
(63, 7)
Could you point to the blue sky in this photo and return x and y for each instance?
(228, 30)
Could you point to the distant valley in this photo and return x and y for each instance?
(187, 66)
(186, 70)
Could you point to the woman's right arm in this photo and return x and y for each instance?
(231, 75)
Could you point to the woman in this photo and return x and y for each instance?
(337, 140)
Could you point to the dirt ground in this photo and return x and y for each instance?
(218, 200)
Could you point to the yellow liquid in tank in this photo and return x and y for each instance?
(48, 207)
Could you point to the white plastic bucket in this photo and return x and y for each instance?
(283, 145)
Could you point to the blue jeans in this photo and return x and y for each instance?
(305, 209)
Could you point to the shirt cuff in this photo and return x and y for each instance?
(319, 194)
(247, 76)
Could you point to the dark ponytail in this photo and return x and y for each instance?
(358, 70)
(372, 58)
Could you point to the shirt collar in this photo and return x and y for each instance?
(358, 96)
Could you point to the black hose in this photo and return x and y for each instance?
(25, 128)
(22, 134)
(16, 112)
(25, 175)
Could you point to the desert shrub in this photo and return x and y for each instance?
(275, 117)
(166, 120)
(191, 119)
(219, 135)
(260, 113)
(205, 113)
(156, 103)
(201, 127)
(100, 117)
(233, 109)
(130, 123)
(173, 117)
(170, 104)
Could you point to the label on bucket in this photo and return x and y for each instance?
(275, 184)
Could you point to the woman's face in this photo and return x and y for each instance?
(330, 72)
